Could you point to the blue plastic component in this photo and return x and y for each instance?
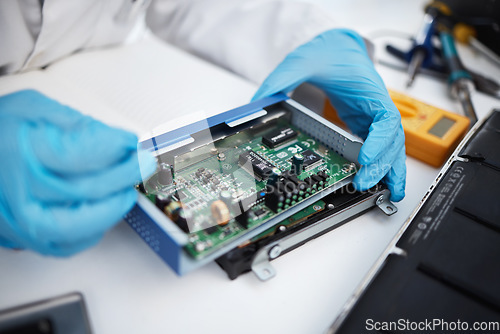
(159, 241)
(184, 132)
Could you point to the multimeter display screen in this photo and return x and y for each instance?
(441, 127)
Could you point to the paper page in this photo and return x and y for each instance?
(154, 85)
(66, 94)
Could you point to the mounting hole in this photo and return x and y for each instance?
(266, 272)
(389, 208)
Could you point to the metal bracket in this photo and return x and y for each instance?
(385, 205)
(261, 265)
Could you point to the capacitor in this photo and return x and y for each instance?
(162, 200)
(141, 188)
(165, 176)
(173, 209)
(274, 177)
(176, 212)
(297, 163)
(226, 196)
(221, 156)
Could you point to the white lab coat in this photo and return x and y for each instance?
(249, 37)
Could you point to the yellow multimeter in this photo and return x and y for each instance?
(431, 133)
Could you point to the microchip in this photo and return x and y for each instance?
(180, 195)
(278, 137)
(260, 166)
(259, 212)
(211, 229)
(310, 158)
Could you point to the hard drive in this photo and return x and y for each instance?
(223, 181)
(326, 214)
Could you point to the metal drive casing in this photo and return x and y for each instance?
(166, 239)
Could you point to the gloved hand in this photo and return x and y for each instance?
(337, 62)
(65, 178)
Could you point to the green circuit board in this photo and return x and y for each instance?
(237, 166)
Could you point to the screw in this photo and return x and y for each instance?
(379, 200)
(275, 252)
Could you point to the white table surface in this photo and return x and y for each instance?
(128, 289)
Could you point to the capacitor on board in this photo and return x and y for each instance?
(297, 163)
(274, 177)
(165, 175)
(226, 196)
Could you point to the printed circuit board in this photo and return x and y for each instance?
(220, 191)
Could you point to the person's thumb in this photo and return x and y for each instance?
(287, 76)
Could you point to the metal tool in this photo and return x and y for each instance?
(484, 50)
(482, 83)
(485, 85)
(460, 81)
(422, 51)
(466, 34)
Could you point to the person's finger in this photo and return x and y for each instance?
(287, 76)
(65, 249)
(89, 146)
(396, 178)
(56, 224)
(358, 124)
(317, 58)
(33, 106)
(384, 130)
(7, 243)
(371, 174)
(49, 187)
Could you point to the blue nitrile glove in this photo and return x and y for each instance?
(337, 62)
(65, 178)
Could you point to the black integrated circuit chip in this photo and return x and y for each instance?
(260, 212)
(260, 166)
(278, 137)
(310, 158)
(211, 229)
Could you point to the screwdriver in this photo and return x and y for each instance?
(422, 48)
(460, 81)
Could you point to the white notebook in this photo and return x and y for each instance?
(148, 87)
